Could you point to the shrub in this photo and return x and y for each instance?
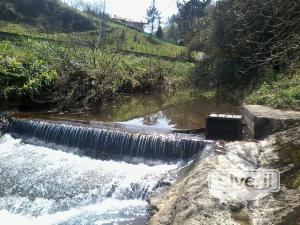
(23, 77)
(280, 92)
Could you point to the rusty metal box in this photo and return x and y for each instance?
(223, 127)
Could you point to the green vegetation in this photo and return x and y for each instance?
(81, 76)
(23, 75)
(82, 60)
(280, 91)
(289, 154)
(52, 19)
(236, 62)
(245, 49)
(141, 42)
(135, 41)
(291, 218)
(50, 15)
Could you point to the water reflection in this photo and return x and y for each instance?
(158, 120)
(149, 110)
(184, 115)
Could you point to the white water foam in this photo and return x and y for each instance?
(41, 186)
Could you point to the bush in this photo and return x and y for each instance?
(280, 92)
(244, 40)
(22, 76)
(80, 75)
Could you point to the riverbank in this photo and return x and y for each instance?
(280, 91)
(33, 73)
(189, 202)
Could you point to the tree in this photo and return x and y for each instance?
(172, 31)
(159, 32)
(248, 40)
(188, 14)
(123, 36)
(153, 15)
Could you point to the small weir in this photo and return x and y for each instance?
(109, 143)
(42, 183)
(43, 186)
(64, 169)
(111, 172)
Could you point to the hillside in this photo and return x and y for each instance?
(71, 66)
(135, 41)
(35, 17)
(51, 15)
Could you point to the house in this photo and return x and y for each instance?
(130, 23)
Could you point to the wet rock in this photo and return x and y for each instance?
(263, 121)
(3, 123)
(155, 199)
(189, 201)
(163, 183)
(236, 206)
(241, 217)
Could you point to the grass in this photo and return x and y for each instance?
(134, 40)
(50, 14)
(289, 154)
(140, 42)
(34, 63)
(30, 68)
(21, 29)
(282, 92)
(23, 73)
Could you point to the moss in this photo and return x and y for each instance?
(291, 218)
(241, 217)
(289, 153)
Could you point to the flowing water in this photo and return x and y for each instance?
(66, 168)
(39, 185)
(108, 143)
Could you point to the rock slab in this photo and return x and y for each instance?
(263, 121)
(189, 202)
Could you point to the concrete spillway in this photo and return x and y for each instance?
(109, 143)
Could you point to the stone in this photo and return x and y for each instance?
(263, 121)
(189, 202)
(3, 123)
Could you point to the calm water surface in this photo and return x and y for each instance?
(147, 110)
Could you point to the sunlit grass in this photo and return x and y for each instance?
(134, 40)
(282, 91)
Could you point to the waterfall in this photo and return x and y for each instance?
(108, 143)
(42, 186)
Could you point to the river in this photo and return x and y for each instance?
(53, 182)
